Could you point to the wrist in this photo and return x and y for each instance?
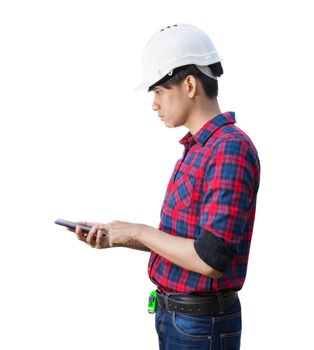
(140, 232)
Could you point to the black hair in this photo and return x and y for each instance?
(210, 85)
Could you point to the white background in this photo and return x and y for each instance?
(77, 143)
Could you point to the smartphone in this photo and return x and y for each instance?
(71, 224)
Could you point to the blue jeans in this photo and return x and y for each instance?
(212, 332)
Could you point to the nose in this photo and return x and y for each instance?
(155, 106)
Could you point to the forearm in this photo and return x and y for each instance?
(178, 250)
(134, 245)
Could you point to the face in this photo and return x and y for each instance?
(172, 105)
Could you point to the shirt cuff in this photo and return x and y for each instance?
(213, 251)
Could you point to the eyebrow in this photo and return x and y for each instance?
(157, 87)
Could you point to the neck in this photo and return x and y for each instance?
(201, 113)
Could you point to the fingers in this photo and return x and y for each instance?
(99, 239)
(80, 234)
(96, 238)
(102, 240)
(90, 238)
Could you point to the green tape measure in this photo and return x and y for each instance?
(152, 302)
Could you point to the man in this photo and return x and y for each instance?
(199, 252)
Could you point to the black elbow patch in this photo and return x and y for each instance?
(213, 251)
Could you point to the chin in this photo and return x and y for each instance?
(172, 123)
(175, 125)
(169, 125)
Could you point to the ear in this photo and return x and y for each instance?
(190, 86)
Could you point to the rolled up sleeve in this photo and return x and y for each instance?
(229, 196)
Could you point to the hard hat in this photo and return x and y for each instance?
(175, 46)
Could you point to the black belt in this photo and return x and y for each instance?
(197, 304)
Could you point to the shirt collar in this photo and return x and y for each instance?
(208, 129)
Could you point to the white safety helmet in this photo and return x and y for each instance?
(173, 47)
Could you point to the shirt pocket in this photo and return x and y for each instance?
(182, 192)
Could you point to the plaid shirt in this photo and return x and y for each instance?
(211, 193)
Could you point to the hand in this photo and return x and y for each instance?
(115, 233)
(96, 238)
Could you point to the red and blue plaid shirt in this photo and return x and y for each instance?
(211, 197)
